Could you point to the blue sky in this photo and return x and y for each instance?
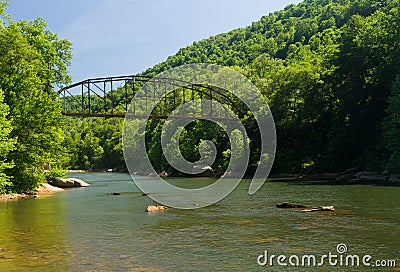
(128, 36)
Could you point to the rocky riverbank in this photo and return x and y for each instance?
(47, 189)
(350, 176)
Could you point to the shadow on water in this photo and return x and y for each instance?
(318, 182)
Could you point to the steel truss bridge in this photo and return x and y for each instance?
(111, 97)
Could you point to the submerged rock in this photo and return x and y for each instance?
(320, 209)
(304, 209)
(155, 208)
(288, 205)
(163, 174)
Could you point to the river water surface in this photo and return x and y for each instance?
(87, 229)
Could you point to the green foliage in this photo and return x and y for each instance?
(32, 59)
(368, 60)
(192, 142)
(391, 128)
(94, 144)
(326, 68)
(55, 174)
(54, 54)
(6, 145)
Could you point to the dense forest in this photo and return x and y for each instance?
(329, 70)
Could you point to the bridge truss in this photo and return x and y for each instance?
(112, 97)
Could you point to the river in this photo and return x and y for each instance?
(87, 229)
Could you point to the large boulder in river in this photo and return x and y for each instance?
(69, 183)
(47, 188)
(205, 170)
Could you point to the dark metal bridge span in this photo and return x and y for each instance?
(111, 97)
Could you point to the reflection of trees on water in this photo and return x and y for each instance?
(33, 234)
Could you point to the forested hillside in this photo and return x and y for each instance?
(328, 69)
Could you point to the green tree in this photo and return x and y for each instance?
(6, 145)
(55, 54)
(31, 61)
(391, 128)
(368, 62)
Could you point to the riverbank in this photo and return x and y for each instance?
(342, 178)
(350, 175)
(43, 189)
(47, 189)
(108, 170)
